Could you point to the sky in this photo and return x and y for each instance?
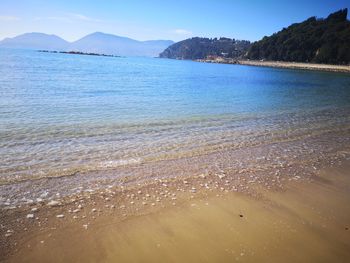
(159, 19)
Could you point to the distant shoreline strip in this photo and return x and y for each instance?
(296, 65)
(282, 64)
(78, 53)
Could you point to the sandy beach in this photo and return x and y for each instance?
(280, 64)
(296, 65)
(295, 192)
(305, 221)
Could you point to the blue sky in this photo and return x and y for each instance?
(159, 19)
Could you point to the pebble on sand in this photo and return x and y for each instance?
(53, 203)
(221, 176)
(60, 216)
(30, 216)
(9, 233)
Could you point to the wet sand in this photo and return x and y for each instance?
(305, 221)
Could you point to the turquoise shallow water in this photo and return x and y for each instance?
(62, 113)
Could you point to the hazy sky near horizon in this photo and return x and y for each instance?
(159, 19)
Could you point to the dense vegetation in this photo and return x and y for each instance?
(314, 40)
(201, 48)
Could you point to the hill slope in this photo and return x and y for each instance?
(201, 48)
(314, 40)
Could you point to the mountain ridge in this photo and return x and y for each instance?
(97, 42)
(35, 40)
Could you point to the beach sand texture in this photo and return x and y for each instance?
(307, 222)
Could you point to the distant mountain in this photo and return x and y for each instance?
(314, 40)
(94, 43)
(35, 41)
(201, 48)
(110, 44)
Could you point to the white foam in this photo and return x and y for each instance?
(121, 162)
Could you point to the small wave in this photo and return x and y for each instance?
(121, 162)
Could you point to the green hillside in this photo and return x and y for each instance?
(314, 40)
(201, 48)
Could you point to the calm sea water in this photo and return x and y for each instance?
(61, 114)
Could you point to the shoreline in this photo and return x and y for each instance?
(183, 186)
(280, 64)
(258, 156)
(149, 188)
(296, 65)
(124, 220)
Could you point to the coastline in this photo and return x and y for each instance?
(229, 225)
(209, 187)
(245, 177)
(137, 159)
(280, 64)
(296, 65)
(134, 208)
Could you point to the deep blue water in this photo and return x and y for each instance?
(61, 112)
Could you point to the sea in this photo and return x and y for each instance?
(71, 123)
